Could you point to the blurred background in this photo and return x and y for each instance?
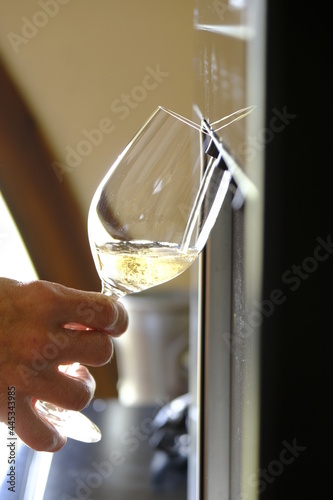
(77, 80)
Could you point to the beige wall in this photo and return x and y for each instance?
(84, 65)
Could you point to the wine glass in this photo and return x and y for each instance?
(152, 214)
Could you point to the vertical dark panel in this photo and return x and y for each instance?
(296, 355)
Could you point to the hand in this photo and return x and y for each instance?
(44, 325)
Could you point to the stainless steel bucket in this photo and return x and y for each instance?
(152, 355)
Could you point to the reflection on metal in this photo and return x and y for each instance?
(152, 356)
(244, 33)
(229, 75)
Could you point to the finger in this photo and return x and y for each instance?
(105, 314)
(90, 309)
(34, 430)
(71, 392)
(87, 347)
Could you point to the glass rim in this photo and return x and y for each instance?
(238, 115)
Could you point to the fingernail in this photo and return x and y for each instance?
(120, 319)
(58, 442)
